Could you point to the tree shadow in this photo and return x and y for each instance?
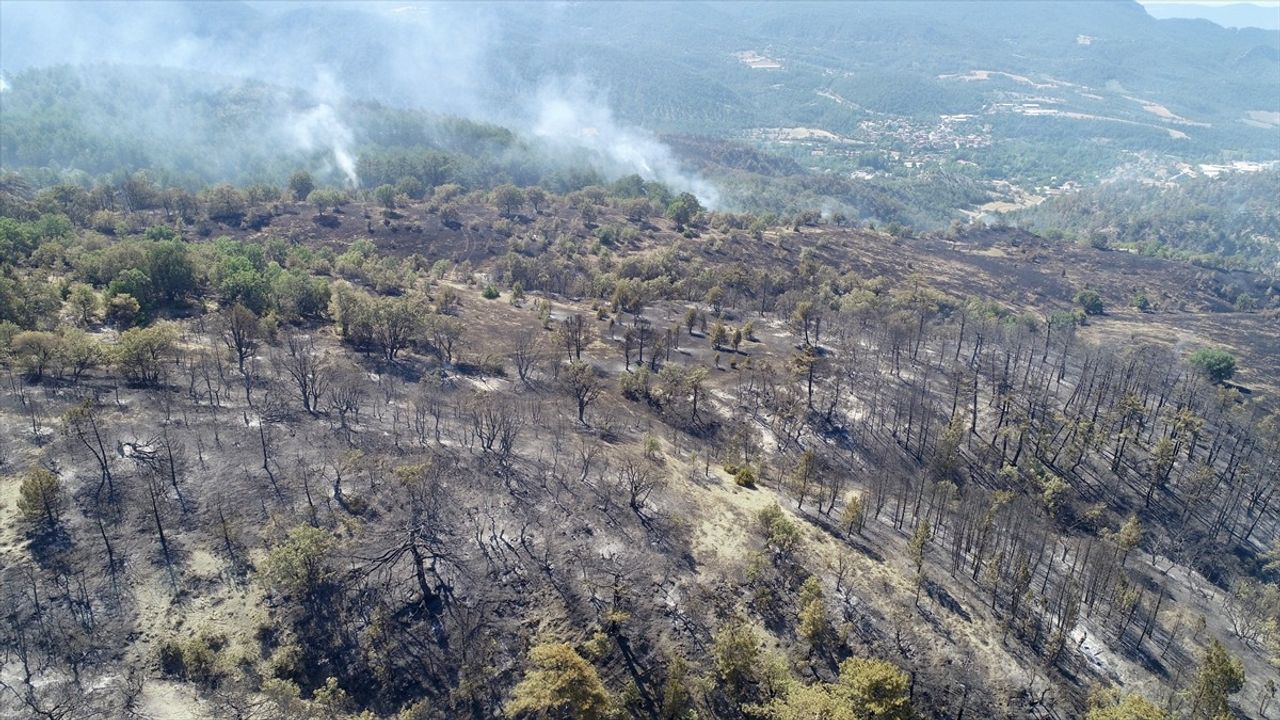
(946, 600)
(49, 544)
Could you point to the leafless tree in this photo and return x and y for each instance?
(638, 480)
(581, 381)
(346, 397)
(524, 355)
(444, 334)
(241, 332)
(574, 334)
(307, 366)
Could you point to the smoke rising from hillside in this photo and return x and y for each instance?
(567, 114)
(320, 127)
(447, 59)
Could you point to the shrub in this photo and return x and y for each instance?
(490, 293)
(326, 198)
(1217, 365)
(559, 683)
(300, 565)
(301, 185)
(193, 659)
(40, 498)
(1090, 301)
(635, 386)
(781, 534)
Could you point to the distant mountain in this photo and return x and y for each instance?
(688, 67)
(890, 110)
(1238, 15)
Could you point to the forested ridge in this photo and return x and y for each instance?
(1206, 220)
(297, 451)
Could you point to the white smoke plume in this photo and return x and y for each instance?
(445, 58)
(319, 127)
(571, 117)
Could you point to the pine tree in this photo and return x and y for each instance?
(735, 650)
(1218, 677)
(854, 514)
(40, 498)
(1113, 705)
(559, 684)
(919, 540)
(814, 624)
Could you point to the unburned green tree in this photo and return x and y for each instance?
(36, 352)
(735, 653)
(802, 476)
(581, 381)
(559, 683)
(509, 198)
(677, 691)
(691, 320)
(172, 274)
(1129, 536)
(867, 689)
(40, 499)
(301, 185)
(241, 333)
(919, 542)
(1090, 301)
(123, 310)
(814, 625)
(395, 322)
(444, 335)
(853, 517)
(1217, 365)
(141, 353)
(1218, 678)
(781, 534)
(300, 565)
(536, 197)
(683, 209)
(79, 352)
(1111, 704)
(83, 302)
(877, 689)
(226, 204)
(137, 284)
(719, 336)
(809, 702)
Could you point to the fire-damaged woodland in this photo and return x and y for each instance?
(630, 360)
(288, 452)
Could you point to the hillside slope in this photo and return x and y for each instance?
(714, 464)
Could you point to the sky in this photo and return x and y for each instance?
(1228, 13)
(1214, 3)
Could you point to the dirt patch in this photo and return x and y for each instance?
(1264, 117)
(756, 61)
(800, 133)
(171, 700)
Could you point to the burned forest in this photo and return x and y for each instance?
(629, 361)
